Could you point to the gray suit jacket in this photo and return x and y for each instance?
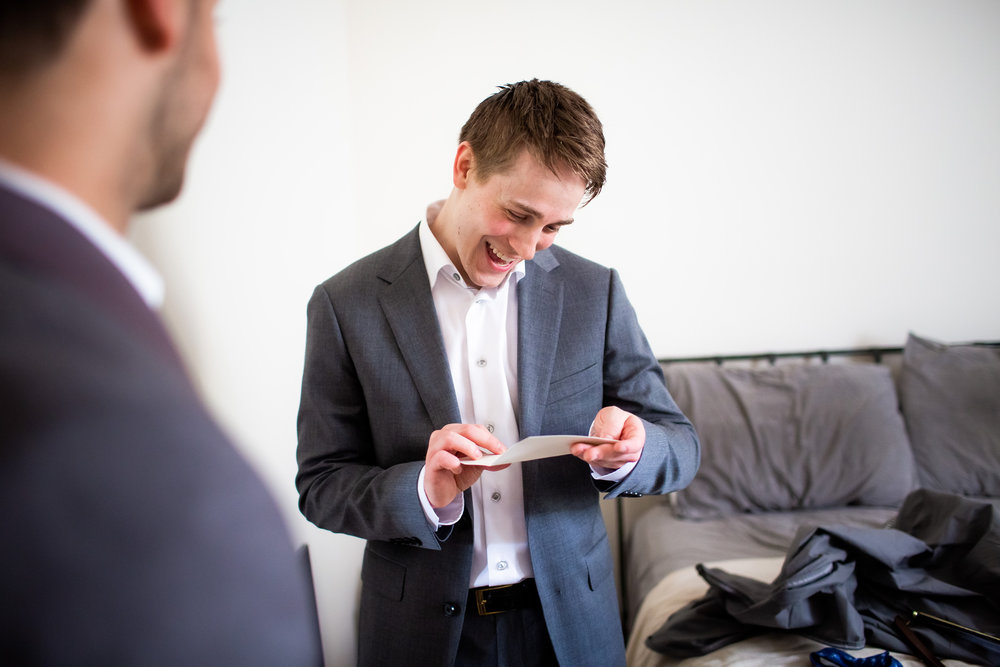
(131, 531)
(376, 383)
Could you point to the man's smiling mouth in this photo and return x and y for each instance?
(499, 256)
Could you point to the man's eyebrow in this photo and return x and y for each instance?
(524, 208)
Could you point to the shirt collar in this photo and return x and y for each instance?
(436, 259)
(136, 268)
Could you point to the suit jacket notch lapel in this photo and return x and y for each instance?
(540, 304)
(409, 308)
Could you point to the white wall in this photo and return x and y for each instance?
(784, 174)
(267, 213)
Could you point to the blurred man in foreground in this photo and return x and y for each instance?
(131, 531)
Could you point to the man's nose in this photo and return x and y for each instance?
(526, 242)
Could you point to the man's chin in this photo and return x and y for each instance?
(492, 280)
(164, 193)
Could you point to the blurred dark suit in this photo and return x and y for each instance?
(131, 531)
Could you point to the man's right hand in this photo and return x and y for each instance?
(444, 476)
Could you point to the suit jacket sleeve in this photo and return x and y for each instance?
(633, 381)
(351, 480)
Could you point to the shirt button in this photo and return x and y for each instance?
(502, 565)
(496, 497)
(481, 363)
(490, 427)
(456, 277)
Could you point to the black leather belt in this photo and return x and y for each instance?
(498, 599)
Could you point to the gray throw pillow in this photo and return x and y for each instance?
(951, 402)
(792, 437)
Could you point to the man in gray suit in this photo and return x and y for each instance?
(131, 531)
(469, 333)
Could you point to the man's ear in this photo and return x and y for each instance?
(157, 23)
(464, 162)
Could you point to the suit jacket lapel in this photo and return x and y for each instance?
(409, 308)
(539, 313)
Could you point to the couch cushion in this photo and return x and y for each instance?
(951, 400)
(792, 437)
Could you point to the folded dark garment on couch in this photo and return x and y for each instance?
(844, 586)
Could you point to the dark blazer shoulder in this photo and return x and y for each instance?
(37, 241)
(557, 258)
(108, 443)
(384, 265)
(587, 278)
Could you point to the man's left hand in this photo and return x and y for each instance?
(626, 428)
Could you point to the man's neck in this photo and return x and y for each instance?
(439, 221)
(71, 148)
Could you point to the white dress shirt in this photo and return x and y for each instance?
(479, 327)
(136, 269)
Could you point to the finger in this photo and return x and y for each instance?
(443, 460)
(479, 435)
(613, 452)
(484, 438)
(589, 453)
(609, 455)
(627, 450)
(580, 450)
(449, 460)
(453, 441)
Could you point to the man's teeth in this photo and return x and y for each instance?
(504, 258)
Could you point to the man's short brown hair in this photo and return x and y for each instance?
(555, 124)
(34, 32)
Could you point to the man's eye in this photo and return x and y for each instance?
(552, 229)
(516, 217)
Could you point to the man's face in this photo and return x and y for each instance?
(183, 104)
(507, 218)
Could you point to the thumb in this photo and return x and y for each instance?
(608, 423)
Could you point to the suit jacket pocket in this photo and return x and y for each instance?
(600, 571)
(575, 383)
(383, 576)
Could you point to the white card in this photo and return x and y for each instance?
(536, 447)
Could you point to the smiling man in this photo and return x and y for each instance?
(470, 333)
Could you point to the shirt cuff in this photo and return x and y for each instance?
(442, 516)
(609, 475)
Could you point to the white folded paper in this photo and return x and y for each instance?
(536, 447)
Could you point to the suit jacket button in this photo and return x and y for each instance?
(450, 609)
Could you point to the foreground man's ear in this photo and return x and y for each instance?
(157, 23)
